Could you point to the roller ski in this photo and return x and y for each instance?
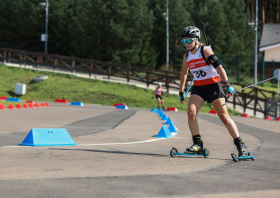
(193, 150)
(243, 153)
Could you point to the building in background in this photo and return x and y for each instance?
(270, 42)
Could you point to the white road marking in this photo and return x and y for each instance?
(106, 144)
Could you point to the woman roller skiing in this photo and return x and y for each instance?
(206, 87)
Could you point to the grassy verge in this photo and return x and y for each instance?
(7, 103)
(72, 88)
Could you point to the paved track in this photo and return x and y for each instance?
(117, 156)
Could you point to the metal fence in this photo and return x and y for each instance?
(273, 107)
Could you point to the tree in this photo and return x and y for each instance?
(130, 27)
(21, 24)
(179, 18)
(227, 32)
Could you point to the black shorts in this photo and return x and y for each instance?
(209, 92)
(158, 96)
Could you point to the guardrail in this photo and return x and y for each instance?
(256, 99)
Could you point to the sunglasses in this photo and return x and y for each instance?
(189, 41)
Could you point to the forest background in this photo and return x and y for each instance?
(126, 31)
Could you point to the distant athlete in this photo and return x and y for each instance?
(205, 66)
(159, 96)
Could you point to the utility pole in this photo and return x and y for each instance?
(46, 29)
(167, 38)
(256, 43)
(44, 37)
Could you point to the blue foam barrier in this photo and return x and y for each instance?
(164, 117)
(77, 103)
(169, 121)
(172, 128)
(164, 132)
(13, 99)
(122, 107)
(48, 137)
(153, 109)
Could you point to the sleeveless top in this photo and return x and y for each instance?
(203, 74)
(158, 91)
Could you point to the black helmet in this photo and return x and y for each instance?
(190, 31)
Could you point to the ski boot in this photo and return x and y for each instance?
(195, 149)
(242, 151)
(241, 147)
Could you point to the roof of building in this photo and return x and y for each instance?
(270, 35)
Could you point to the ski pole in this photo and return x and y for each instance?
(203, 29)
(188, 90)
(253, 85)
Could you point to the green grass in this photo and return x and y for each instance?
(91, 91)
(7, 103)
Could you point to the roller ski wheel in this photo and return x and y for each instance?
(206, 152)
(234, 157)
(173, 152)
(253, 158)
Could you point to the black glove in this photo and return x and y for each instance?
(181, 96)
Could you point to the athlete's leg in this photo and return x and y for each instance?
(159, 101)
(221, 109)
(162, 103)
(220, 106)
(194, 104)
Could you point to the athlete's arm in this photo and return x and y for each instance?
(219, 68)
(184, 73)
(210, 55)
(155, 92)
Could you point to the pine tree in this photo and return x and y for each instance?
(179, 18)
(227, 32)
(21, 24)
(130, 26)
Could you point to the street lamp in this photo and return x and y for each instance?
(256, 42)
(44, 37)
(252, 24)
(167, 36)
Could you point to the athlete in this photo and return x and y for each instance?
(159, 96)
(206, 70)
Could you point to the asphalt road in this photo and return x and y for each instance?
(138, 170)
